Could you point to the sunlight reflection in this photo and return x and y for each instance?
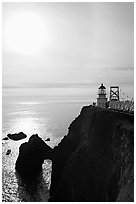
(30, 126)
(29, 103)
(26, 112)
(27, 125)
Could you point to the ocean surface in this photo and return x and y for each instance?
(47, 112)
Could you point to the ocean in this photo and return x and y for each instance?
(45, 111)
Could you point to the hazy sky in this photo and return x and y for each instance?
(68, 45)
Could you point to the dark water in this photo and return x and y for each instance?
(47, 113)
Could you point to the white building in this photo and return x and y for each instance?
(102, 100)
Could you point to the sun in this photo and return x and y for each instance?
(25, 33)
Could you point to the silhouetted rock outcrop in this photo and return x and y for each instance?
(31, 157)
(5, 138)
(94, 162)
(17, 136)
(48, 139)
(8, 152)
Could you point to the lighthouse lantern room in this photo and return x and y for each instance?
(102, 100)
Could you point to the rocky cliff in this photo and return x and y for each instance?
(94, 162)
(31, 157)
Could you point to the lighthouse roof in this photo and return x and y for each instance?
(102, 87)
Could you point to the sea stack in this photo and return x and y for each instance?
(31, 157)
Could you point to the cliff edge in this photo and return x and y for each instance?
(95, 161)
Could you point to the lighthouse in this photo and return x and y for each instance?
(102, 100)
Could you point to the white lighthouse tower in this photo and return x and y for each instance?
(102, 100)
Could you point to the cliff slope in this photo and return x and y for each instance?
(94, 162)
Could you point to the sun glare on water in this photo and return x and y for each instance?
(27, 125)
(25, 33)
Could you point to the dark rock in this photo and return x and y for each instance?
(31, 157)
(95, 161)
(17, 136)
(5, 138)
(48, 139)
(8, 152)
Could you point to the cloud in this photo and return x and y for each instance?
(87, 44)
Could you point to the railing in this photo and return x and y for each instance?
(125, 106)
